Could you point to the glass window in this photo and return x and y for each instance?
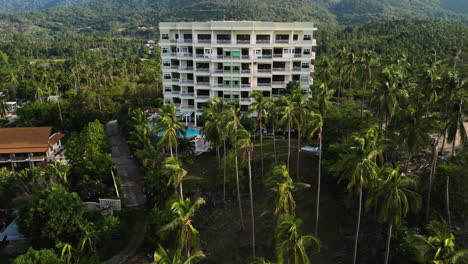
(305, 65)
(165, 50)
(227, 82)
(166, 63)
(258, 52)
(227, 68)
(236, 53)
(304, 78)
(295, 37)
(236, 82)
(207, 51)
(167, 76)
(165, 36)
(227, 53)
(307, 37)
(306, 51)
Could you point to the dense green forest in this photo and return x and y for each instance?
(22, 5)
(388, 110)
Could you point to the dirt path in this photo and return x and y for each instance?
(127, 167)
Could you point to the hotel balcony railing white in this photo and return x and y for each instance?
(263, 41)
(174, 40)
(203, 97)
(202, 69)
(184, 54)
(282, 41)
(176, 92)
(278, 82)
(177, 105)
(203, 84)
(175, 79)
(277, 55)
(204, 41)
(206, 56)
(297, 55)
(182, 106)
(186, 68)
(243, 41)
(186, 40)
(223, 41)
(186, 81)
(279, 69)
(199, 110)
(246, 85)
(246, 99)
(173, 54)
(313, 55)
(264, 70)
(296, 69)
(246, 71)
(263, 57)
(218, 71)
(263, 84)
(175, 67)
(245, 57)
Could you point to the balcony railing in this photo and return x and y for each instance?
(186, 68)
(297, 55)
(282, 41)
(220, 56)
(243, 41)
(278, 55)
(206, 56)
(223, 41)
(175, 79)
(203, 83)
(245, 57)
(175, 67)
(204, 41)
(185, 55)
(278, 82)
(203, 97)
(186, 94)
(245, 71)
(246, 99)
(186, 81)
(187, 40)
(187, 106)
(279, 69)
(173, 54)
(203, 69)
(175, 92)
(263, 84)
(173, 40)
(246, 85)
(218, 71)
(264, 70)
(296, 68)
(265, 57)
(263, 41)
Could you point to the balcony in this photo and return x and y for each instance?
(183, 106)
(263, 84)
(204, 41)
(296, 69)
(175, 67)
(282, 41)
(218, 71)
(246, 85)
(279, 69)
(173, 40)
(186, 94)
(185, 55)
(187, 41)
(203, 69)
(277, 55)
(314, 42)
(206, 56)
(173, 54)
(176, 92)
(204, 97)
(186, 81)
(220, 56)
(247, 100)
(245, 57)
(175, 79)
(189, 68)
(264, 70)
(243, 41)
(297, 55)
(263, 57)
(203, 83)
(246, 71)
(263, 41)
(278, 83)
(223, 41)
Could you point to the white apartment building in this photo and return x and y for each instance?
(230, 59)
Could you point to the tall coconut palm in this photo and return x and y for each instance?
(272, 118)
(367, 62)
(314, 125)
(351, 63)
(291, 244)
(300, 119)
(245, 144)
(187, 235)
(394, 198)
(172, 167)
(259, 106)
(169, 127)
(324, 93)
(340, 63)
(283, 187)
(162, 256)
(359, 168)
(288, 119)
(233, 126)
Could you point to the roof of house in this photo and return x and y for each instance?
(27, 139)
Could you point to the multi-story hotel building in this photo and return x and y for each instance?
(230, 59)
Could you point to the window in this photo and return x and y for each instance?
(307, 37)
(306, 51)
(227, 96)
(227, 68)
(304, 78)
(305, 65)
(167, 76)
(166, 63)
(295, 37)
(227, 82)
(235, 96)
(167, 101)
(184, 50)
(236, 53)
(165, 36)
(235, 82)
(227, 53)
(235, 68)
(166, 50)
(207, 51)
(258, 52)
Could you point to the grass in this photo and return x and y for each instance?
(224, 241)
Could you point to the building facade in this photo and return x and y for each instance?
(230, 59)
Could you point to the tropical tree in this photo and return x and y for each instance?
(187, 235)
(324, 93)
(314, 125)
(162, 256)
(245, 144)
(272, 119)
(288, 119)
(291, 244)
(358, 167)
(90, 236)
(169, 128)
(172, 167)
(394, 198)
(259, 106)
(367, 61)
(283, 186)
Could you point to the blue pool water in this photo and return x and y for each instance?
(190, 132)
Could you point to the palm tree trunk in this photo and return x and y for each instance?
(238, 192)
(356, 236)
(274, 144)
(224, 172)
(181, 191)
(298, 153)
(447, 201)
(431, 175)
(289, 142)
(261, 146)
(453, 147)
(170, 149)
(317, 207)
(362, 99)
(387, 254)
(252, 218)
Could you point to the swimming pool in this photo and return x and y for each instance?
(189, 132)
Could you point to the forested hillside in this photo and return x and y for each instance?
(25, 5)
(107, 16)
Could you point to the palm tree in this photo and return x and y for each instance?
(368, 61)
(394, 198)
(245, 144)
(315, 123)
(351, 62)
(233, 126)
(172, 167)
(340, 62)
(162, 256)
(324, 93)
(259, 106)
(288, 118)
(272, 111)
(291, 244)
(283, 186)
(300, 114)
(187, 235)
(359, 168)
(169, 127)
(60, 170)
